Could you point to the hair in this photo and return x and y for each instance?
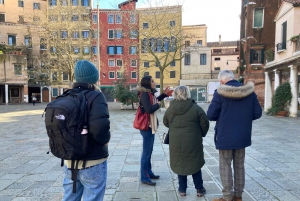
(146, 82)
(182, 93)
(225, 75)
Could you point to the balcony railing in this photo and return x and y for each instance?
(281, 46)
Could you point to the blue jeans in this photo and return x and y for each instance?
(197, 178)
(148, 141)
(90, 184)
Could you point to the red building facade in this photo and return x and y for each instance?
(118, 36)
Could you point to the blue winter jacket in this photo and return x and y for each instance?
(234, 106)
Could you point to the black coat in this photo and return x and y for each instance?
(99, 124)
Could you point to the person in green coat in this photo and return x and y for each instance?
(187, 123)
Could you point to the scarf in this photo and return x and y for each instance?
(153, 118)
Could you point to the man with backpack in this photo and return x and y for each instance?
(85, 156)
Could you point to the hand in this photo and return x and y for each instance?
(159, 103)
(167, 91)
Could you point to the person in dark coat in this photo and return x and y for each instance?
(150, 104)
(234, 106)
(91, 180)
(187, 123)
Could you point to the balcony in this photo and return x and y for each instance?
(297, 46)
(281, 47)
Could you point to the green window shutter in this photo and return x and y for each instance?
(262, 56)
(284, 27)
(251, 55)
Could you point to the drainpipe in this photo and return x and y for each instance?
(4, 70)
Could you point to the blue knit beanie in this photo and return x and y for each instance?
(86, 72)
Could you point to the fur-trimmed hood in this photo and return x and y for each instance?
(234, 90)
(143, 89)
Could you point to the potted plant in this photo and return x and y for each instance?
(295, 38)
(281, 99)
(269, 55)
(241, 68)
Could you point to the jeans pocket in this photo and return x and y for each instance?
(94, 172)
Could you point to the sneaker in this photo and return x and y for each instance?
(221, 199)
(201, 192)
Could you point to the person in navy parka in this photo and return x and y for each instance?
(234, 106)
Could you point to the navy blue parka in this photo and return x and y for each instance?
(234, 106)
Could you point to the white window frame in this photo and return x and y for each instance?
(113, 34)
(109, 16)
(117, 32)
(95, 22)
(135, 75)
(53, 75)
(135, 63)
(112, 64)
(119, 73)
(3, 16)
(52, 89)
(62, 75)
(133, 34)
(83, 31)
(175, 74)
(117, 21)
(132, 18)
(36, 6)
(111, 77)
(263, 17)
(118, 60)
(130, 48)
(19, 71)
(146, 62)
(84, 50)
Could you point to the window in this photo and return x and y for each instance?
(258, 18)
(95, 50)
(144, 45)
(217, 59)
(65, 76)
(187, 59)
(166, 44)
(118, 19)
(133, 63)
(110, 19)
(54, 76)
(85, 17)
(21, 3)
(63, 34)
(74, 2)
(110, 34)
(85, 2)
(75, 34)
(111, 63)
(64, 2)
(119, 62)
(173, 63)
(11, 40)
(145, 25)
(199, 42)
(202, 59)
(283, 37)
(1, 1)
(43, 44)
(159, 45)
(146, 64)
(64, 17)
(132, 50)
(21, 19)
(146, 74)
(119, 34)
(52, 2)
(27, 41)
(95, 20)
(119, 75)
(119, 49)
(111, 50)
(85, 34)
(42, 63)
(133, 75)
(31, 75)
(36, 19)
(53, 18)
(157, 74)
(54, 92)
(86, 50)
(76, 49)
(94, 34)
(133, 34)
(173, 44)
(111, 75)
(2, 17)
(53, 50)
(132, 18)
(256, 56)
(153, 44)
(187, 43)
(17, 69)
(157, 64)
(217, 68)
(172, 74)
(172, 23)
(75, 18)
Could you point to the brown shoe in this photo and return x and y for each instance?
(237, 198)
(221, 199)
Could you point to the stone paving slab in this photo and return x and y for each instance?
(27, 173)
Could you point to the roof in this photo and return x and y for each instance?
(293, 1)
(222, 44)
(126, 2)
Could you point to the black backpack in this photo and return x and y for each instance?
(65, 118)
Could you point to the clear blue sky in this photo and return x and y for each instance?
(221, 16)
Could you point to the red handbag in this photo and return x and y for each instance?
(141, 121)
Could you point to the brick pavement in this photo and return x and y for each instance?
(28, 173)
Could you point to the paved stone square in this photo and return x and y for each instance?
(27, 173)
